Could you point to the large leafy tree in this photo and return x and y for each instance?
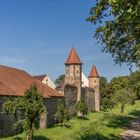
(28, 108)
(103, 82)
(118, 28)
(106, 93)
(59, 79)
(120, 82)
(124, 96)
(134, 79)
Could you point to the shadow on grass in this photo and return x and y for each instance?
(34, 138)
(120, 121)
(98, 136)
(135, 113)
(83, 118)
(68, 126)
(60, 125)
(18, 138)
(40, 138)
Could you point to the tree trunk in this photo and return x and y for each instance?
(63, 124)
(29, 135)
(122, 108)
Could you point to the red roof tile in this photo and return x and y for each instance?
(4, 90)
(73, 58)
(93, 72)
(39, 77)
(15, 82)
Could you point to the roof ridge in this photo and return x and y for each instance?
(15, 81)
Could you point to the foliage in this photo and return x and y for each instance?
(103, 82)
(62, 114)
(120, 82)
(106, 93)
(59, 79)
(124, 96)
(103, 125)
(109, 90)
(82, 108)
(135, 82)
(118, 28)
(29, 108)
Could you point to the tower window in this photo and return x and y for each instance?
(95, 81)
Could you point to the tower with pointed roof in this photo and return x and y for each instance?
(94, 83)
(74, 71)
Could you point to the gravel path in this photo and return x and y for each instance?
(132, 133)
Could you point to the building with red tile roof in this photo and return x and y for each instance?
(73, 58)
(45, 79)
(40, 77)
(15, 82)
(73, 89)
(93, 72)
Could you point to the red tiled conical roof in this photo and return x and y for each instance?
(73, 58)
(93, 72)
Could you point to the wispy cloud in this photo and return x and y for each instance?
(12, 60)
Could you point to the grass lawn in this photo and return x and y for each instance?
(99, 125)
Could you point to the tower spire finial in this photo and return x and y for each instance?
(73, 44)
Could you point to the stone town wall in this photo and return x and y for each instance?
(6, 120)
(70, 93)
(6, 123)
(88, 95)
(51, 108)
(51, 104)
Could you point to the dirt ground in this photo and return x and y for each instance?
(133, 132)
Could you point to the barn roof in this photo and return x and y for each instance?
(15, 82)
(39, 77)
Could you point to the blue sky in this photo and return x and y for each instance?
(37, 36)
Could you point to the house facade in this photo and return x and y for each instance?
(45, 79)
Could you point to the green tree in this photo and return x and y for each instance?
(103, 82)
(118, 28)
(29, 108)
(119, 82)
(124, 96)
(59, 79)
(62, 114)
(82, 108)
(135, 82)
(106, 93)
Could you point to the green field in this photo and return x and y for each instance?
(98, 126)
